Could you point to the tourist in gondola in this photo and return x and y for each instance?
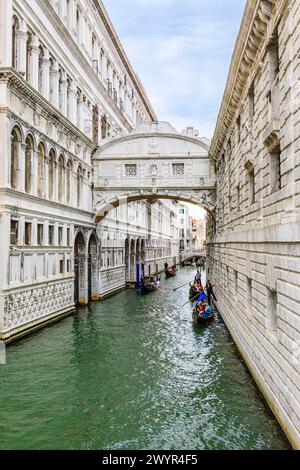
(210, 292)
(166, 266)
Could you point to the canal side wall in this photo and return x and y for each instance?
(254, 236)
(271, 354)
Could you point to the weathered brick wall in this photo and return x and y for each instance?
(255, 247)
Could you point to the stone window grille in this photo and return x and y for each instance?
(178, 169)
(131, 169)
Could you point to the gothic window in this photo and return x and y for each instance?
(178, 169)
(51, 81)
(51, 173)
(28, 163)
(41, 166)
(15, 155)
(61, 167)
(131, 169)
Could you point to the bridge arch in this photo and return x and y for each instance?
(153, 162)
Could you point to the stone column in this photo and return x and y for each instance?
(64, 94)
(34, 62)
(80, 112)
(55, 181)
(73, 103)
(54, 80)
(45, 75)
(34, 171)
(46, 177)
(21, 40)
(21, 169)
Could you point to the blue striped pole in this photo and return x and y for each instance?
(138, 281)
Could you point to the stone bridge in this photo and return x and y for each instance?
(153, 162)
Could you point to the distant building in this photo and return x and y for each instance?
(185, 225)
(199, 234)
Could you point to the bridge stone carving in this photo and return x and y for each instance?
(153, 162)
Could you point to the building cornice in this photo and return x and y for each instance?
(123, 56)
(17, 82)
(256, 20)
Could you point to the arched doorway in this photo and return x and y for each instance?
(92, 269)
(80, 290)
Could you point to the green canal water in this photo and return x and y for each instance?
(133, 372)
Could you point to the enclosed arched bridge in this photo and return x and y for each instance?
(153, 162)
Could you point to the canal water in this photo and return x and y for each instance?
(133, 372)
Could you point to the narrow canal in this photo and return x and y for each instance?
(133, 372)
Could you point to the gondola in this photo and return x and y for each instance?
(200, 320)
(170, 273)
(193, 293)
(150, 288)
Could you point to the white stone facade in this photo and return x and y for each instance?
(254, 244)
(66, 86)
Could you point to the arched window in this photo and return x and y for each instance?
(61, 169)
(79, 185)
(51, 173)
(41, 59)
(16, 140)
(28, 163)
(41, 169)
(15, 29)
(69, 176)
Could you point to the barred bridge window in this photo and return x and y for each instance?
(131, 170)
(178, 169)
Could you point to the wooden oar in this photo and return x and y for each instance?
(176, 288)
(162, 290)
(191, 300)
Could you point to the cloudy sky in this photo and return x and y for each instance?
(181, 50)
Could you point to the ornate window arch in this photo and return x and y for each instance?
(79, 185)
(15, 30)
(69, 182)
